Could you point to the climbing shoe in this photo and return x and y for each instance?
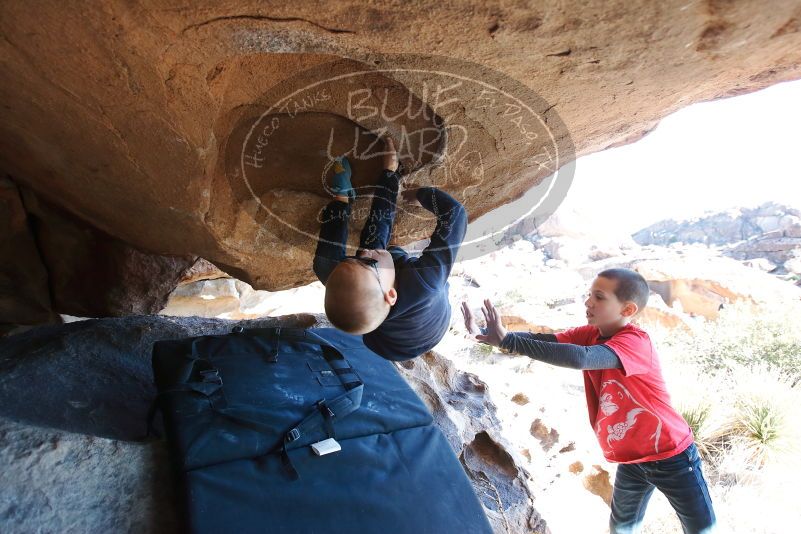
(341, 183)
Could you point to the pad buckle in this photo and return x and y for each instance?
(211, 376)
(324, 409)
(327, 446)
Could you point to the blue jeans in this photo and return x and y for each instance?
(679, 478)
(375, 233)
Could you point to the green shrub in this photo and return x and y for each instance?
(481, 349)
(742, 336)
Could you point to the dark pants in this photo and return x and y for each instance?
(376, 231)
(679, 478)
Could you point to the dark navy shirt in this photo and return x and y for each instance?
(421, 315)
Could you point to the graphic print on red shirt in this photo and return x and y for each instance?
(630, 408)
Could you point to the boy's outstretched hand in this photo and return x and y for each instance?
(495, 329)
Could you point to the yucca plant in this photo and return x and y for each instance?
(699, 417)
(761, 429)
(713, 430)
(762, 425)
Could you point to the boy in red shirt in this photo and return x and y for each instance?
(629, 406)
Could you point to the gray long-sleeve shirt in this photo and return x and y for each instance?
(545, 348)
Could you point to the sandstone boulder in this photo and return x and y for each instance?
(140, 120)
(464, 410)
(93, 274)
(703, 285)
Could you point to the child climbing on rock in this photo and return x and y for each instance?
(629, 406)
(399, 303)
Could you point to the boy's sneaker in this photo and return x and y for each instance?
(341, 183)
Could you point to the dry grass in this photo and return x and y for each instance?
(737, 382)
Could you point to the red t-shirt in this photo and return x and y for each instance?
(630, 408)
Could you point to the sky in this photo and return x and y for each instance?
(711, 156)
(708, 157)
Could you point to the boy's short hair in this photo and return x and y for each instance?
(631, 286)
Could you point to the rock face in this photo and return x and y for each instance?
(463, 409)
(55, 481)
(93, 274)
(722, 228)
(769, 232)
(703, 288)
(24, 296)
(155, 124)
(94, 377)
(229, 298)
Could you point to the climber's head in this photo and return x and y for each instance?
(360, 291)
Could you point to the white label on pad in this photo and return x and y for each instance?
(327, 446)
